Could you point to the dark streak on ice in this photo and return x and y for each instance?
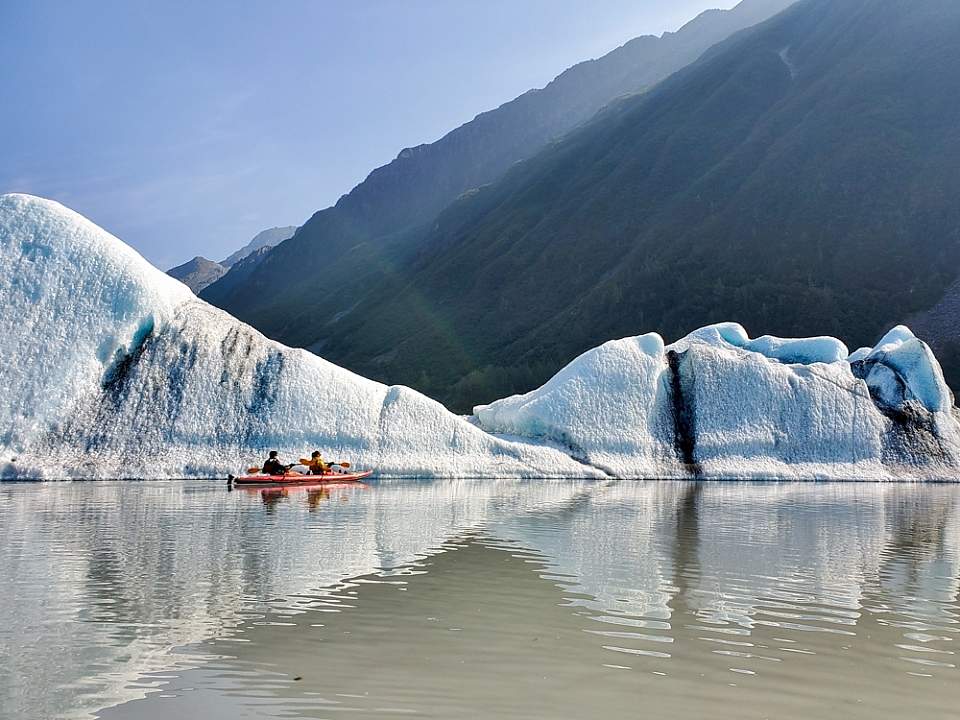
(177, 375)
(266, 383)
(119, 373)
(684, 413)
(578, 454)
(913, 438)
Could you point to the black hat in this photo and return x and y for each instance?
(273, 453)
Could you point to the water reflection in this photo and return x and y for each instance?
(315, 495)
(460, 598)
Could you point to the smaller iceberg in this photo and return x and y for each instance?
(717, 404)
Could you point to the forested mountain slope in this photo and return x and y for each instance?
(800, 178)
(940, 326)
(343, 251)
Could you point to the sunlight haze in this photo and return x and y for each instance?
(187, 128)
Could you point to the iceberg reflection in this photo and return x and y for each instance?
(129, 586)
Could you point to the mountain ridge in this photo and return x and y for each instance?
(265, 238)
(198, 273)
(795, 195)
(370, 232)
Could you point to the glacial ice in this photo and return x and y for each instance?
(859, 354)
(717, 404)
(600, 408)
(904, 368)
(113, 369)
(800, 351)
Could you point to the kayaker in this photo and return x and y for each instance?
(317, 465)
(273, 466)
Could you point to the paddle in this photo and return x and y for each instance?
(342, 463)
(256, 468)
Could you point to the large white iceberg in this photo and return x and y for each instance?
(717, 404)
(110, 368)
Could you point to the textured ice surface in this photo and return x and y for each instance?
(910, 372)
(718, 404)
(801, 351)
(608, 407)
(110, 368)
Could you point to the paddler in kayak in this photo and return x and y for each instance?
(317, 465)
(273, 466)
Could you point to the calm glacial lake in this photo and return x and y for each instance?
(467, 599)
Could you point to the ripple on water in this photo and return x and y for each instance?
(508, 599)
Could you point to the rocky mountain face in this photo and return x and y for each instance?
(940, 326)
(198, 273)
(245, 269)
(266, 239)
(797, 177)
(370, 234)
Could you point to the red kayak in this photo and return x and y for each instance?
(294, 479)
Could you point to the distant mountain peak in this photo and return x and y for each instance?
(198, 273)
(266, 238)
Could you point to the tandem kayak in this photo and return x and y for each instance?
(275, 480)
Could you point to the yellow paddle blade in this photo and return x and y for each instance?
(253, 470)
(343, 464)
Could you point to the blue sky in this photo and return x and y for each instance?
(186, 127)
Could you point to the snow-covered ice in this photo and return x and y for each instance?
(903, 368)
(110, 368)
(609, 408)
(801, 351)
(718, 404)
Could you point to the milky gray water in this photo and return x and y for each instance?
(466, 599)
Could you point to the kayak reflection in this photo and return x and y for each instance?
(315, 494)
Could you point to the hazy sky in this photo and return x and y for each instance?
(186, 127)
